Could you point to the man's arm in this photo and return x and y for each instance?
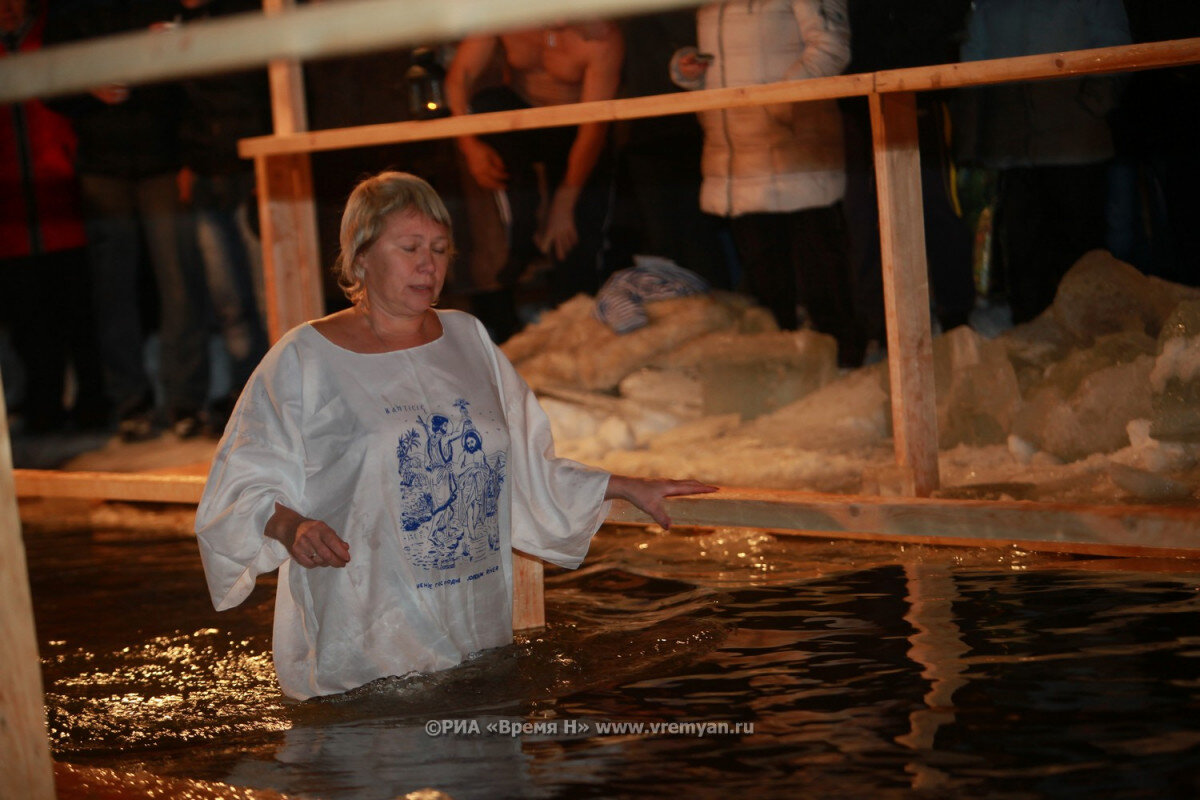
(605, 53)
(472, 57)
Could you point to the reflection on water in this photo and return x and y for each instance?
(867, 671)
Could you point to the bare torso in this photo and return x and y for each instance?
(546, 65)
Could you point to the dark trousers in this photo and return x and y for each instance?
(584, 268)
(801, 256)
(948, 240)
(120, 214)
(45, 301)
(659, 206)
(1046, 218)
(223, 208)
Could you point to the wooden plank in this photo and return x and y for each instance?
(286, 78)
(1055, 527)
(906, 289)
(26, 769)
(556, 116)
(287, 207)
(1064, 527)
(1123, 58)
(124, 486)
(529, 596)
(315, 30)
(291, 252)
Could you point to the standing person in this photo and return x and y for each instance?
(543, 67)
(128, 165)
(44, 296)
(1159, 141)
(658, 159)
(895, 35)
(1049, 140)
(219, 186)
(777, 171)
(345, 465)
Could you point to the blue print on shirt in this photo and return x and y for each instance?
(449, 489)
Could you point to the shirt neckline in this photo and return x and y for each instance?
(441, 318)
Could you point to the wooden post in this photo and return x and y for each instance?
(286, 209)
(26, 769)
(529, 597)
(906, 289)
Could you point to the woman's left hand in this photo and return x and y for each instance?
(649, 494)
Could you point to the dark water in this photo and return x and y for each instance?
(864, 670)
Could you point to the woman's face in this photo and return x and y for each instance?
(406, 266)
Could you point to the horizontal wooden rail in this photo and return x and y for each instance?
(251, 40)
(1053, 527)
(127, 486)
(1101, 60)
(1057, 527)
(974, 73)
(553, 116)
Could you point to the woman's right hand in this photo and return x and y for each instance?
(317, 545)
(311, 542)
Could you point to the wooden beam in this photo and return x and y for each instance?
(124, 486)
(26, 769)
(1059, 527)
(289, 112)
(1051, 527)
(529, 596)
(251, 40)
(906, 289)
(291, 251)
(555, 116)
(287, 209)
(1122, 58)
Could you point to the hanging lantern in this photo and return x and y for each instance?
(426, 78)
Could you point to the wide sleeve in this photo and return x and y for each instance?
(259, 461)
(557, 504)
(825, 32)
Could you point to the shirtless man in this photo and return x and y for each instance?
(543, 66)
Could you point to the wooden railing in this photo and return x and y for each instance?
(293, 285)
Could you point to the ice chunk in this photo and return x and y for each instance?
(1101, 294)
(851, 412)
(1175, 381)
(977, 390)
(1072, 416)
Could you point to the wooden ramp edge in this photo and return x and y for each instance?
(1057, 527)
(1118, 530)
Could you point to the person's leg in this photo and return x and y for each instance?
(517, 207)
(949, 243)
(90, 410)
(114, 256)
(217, 201)
(36, 321)
(819, 257)
(586, 267)
(861, 207)
(664, 179)
(183, 298)
(768, 275)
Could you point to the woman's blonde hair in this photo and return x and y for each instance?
(370, 204)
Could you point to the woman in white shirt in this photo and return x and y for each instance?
(341, 467)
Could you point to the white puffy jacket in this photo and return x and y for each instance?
(782, 157)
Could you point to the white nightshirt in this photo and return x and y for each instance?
(432, 463)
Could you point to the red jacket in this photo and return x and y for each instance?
(39, 194)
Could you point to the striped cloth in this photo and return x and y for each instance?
(620, 303)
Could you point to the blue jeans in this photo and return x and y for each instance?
(231, 266)
(120, 214)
